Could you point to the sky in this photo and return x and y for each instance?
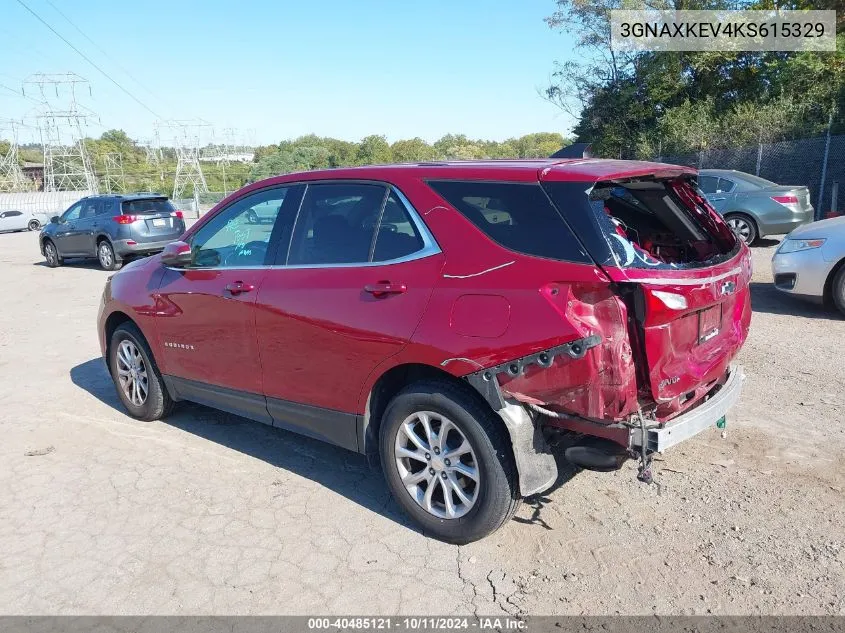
(278, 69)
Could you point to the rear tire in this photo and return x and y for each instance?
(743, 226)
(106, 256)
(33, 225)
(480, 478)
(837, 290)
(136, 376)
(51, 254)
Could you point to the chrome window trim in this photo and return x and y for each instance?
(430, 246)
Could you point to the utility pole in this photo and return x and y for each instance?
(11, 177)
(186, 139)
(114, 179)
(61, 122)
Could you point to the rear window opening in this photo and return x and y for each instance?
(659, 224)
(146, 207)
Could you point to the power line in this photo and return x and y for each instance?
(87, 59)
(21, 95)
(97, 46)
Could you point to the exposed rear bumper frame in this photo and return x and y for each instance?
(692, 423)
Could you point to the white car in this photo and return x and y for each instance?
(810, 262)
(18, 221)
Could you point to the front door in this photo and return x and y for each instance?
(66, 230)
(82, 237)
(360, 270)
(206, 312)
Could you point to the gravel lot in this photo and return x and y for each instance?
(210, 513)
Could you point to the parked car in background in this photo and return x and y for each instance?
(755, 207)
(810, 262)
(112, 228)
(40, 205)
(18, 221)
(444, 317)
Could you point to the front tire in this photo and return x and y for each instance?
(51, 254)
(743, 226)
(448, 461)
(837, 290)
(33, 225)
(105, 255)
(136, 376)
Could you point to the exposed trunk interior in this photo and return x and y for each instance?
(653, 223)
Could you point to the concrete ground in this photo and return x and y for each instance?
(213, 514)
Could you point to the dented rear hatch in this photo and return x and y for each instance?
(682, 271)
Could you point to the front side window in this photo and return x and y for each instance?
(234, 238)
(336, 224)
(73, 212)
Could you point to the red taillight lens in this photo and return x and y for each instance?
(177, 214)
(786, 199)
(125, 219)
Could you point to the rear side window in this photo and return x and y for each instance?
(153, 205)
(515, 215)
(397, 235)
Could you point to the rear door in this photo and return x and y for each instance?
(359, 272)
(685, 272)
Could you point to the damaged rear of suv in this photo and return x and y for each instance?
(601, 316)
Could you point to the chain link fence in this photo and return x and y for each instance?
(817, 163)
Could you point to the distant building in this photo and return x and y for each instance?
(35, 172)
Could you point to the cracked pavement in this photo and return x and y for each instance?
(208, 513)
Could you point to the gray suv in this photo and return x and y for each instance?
(112, 228)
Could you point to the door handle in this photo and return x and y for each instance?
(383, 288)
(716, 199)
(238, 287)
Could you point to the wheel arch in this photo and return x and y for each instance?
(112, 322)
(390, 383)
(827, 292)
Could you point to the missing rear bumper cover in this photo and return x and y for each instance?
(485, 381)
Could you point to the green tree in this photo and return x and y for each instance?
(374, 150)
(412, 151)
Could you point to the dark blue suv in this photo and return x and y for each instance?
(112, 228)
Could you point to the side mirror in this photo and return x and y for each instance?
(176, 255)
(55, 220)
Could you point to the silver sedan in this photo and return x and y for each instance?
(810, 262)
(755, 207)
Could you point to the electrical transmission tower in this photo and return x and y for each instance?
(114, 179)
(186, 137)
(11, 176)
(61, 122)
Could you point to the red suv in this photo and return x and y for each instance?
(450, 319)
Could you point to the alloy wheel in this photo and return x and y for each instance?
(50, 253)
(106, 257)
(437, 465)
(132, 373)
(741, 227)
